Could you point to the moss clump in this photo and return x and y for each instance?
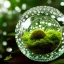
(42, 42)
(37, 34)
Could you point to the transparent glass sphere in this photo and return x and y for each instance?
(43, 17)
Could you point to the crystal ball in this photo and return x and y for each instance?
(36, 29)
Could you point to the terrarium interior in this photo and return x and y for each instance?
(41, 37)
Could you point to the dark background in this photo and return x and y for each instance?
(10, 12)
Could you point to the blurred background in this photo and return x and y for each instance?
(10, 12)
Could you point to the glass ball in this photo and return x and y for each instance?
(44, 18)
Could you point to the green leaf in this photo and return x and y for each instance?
(8, 57)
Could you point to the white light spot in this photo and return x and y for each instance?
(46, 23)
(23, 20)
(0, 56)
(24, 6)
(17, 9)
(32, 14)
(4, 43)
(43, 28)
(42, 12)
(62, 3)
(30, 30)
(49, 1)
(63, 42)
(61, 18)
(63, 33)
(7, 4)
(36, 23)
(34, 11)
(46, 13)
(52, 16)
(43, 22)
(26, 24)
(4, 24)
(60, 50)
(9, 49)
(54, 25)
(49, 24)
(4, 33)
(62, 38)
(62, 46)
(39, 25)
(38, 11)
(26, 16)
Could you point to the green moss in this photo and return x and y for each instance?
(37, 34)
(8, 58)
(42, 42)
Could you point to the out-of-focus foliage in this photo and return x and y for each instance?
(10, 12)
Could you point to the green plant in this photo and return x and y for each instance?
(8, 58)
(40, 41)
(37, 34)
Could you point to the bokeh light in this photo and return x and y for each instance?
(24, 6)
(49, 1)
(62, 3)
(4, 33)
(61, 19)
(4, 24)
(9, 49)
(0, 56)
(7, 4)
(4, 43)
(17, 9)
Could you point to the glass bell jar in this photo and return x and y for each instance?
(40, 33)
